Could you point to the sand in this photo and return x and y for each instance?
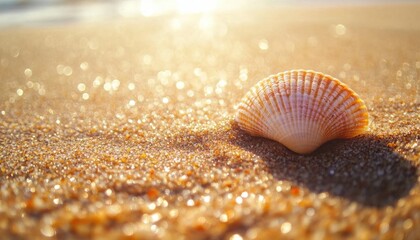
(124, 129)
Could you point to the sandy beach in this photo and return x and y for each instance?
(125, 129)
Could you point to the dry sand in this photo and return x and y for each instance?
(125, 129)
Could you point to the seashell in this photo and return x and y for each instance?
(302, 110)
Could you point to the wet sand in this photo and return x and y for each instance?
(125, 129)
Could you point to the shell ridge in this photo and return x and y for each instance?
(303, 102)
(248, 104)
(280, 98)
(315, 101)
(284, 95)
(345, 106)
(256, 117)
(337, 125)
(324, 98)
(292, 99)
(273, 106)
(268, 108)
(246, 120)
(298, 129)
(256, 108)
(335, 92)
(331, 113)
(289, 91)
(278, 95)
(317, 111)
(298, 97)
(345, 125)
(273, 93)
(282, 106)
(310, 78)
(258, 103)
(275, 102)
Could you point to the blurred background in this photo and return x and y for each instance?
(372, 43)
(47, 12)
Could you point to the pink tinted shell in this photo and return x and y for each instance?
(302, 110)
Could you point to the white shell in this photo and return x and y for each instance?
(302, 109)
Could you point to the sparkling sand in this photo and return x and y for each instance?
(124, 129)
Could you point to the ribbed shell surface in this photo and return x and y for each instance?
(302, 109)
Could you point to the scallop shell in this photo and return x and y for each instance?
(302, 110)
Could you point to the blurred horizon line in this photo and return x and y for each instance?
(17, 13)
